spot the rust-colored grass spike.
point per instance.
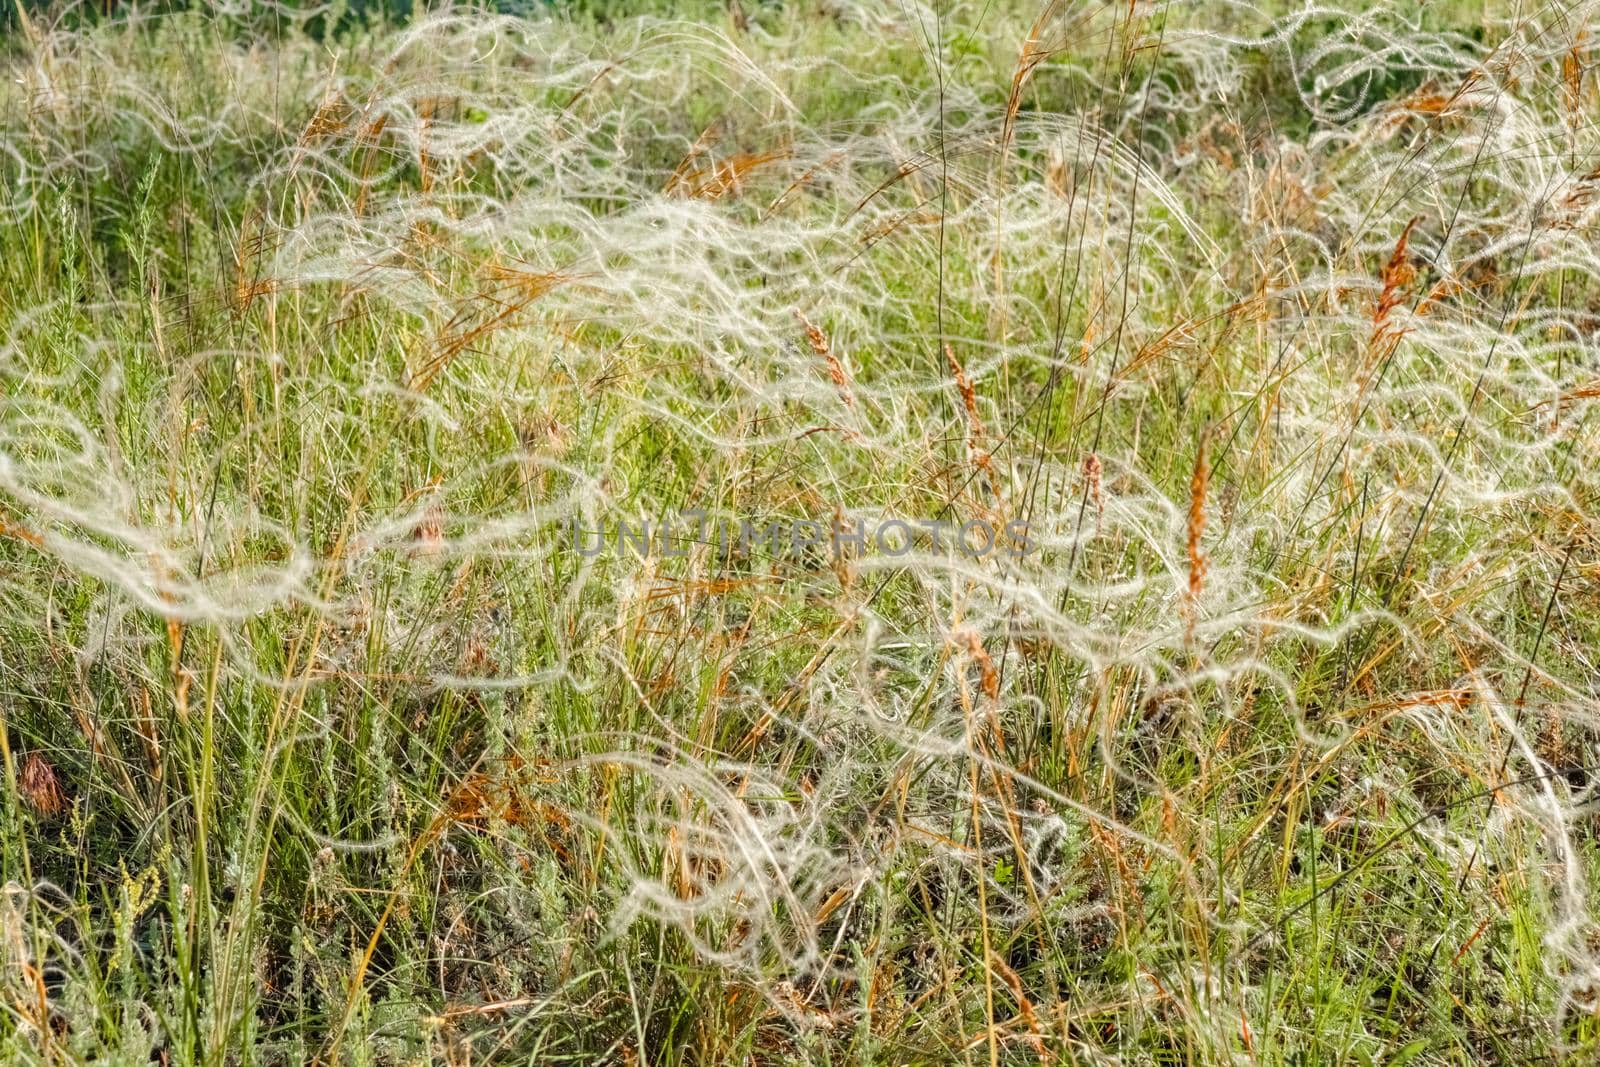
(41, 787)
(969, 403)
(969, 396)
(1572, 66)
(1398, 273)
(819, 344)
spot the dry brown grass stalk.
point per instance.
(1030, 1018)
(1092, 470)
(497, 305)
(989, 678)
(725, 177)
(1199, 488)
(1032, 54)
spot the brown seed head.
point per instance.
(41, 788)
(1091, 476)
(819, 344)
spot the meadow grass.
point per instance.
(1274, 324)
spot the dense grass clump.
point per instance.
(328, 344)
